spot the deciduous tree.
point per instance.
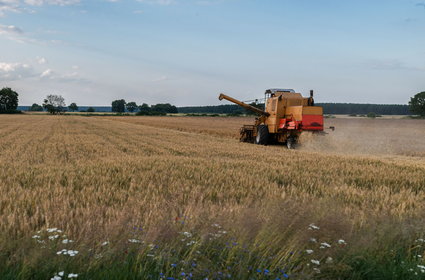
(118, 106)
(417, 104)
(8, 100)
(131, 106)
(54, 104)
(73, 107)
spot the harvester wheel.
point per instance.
(290, 143)
(262, 135)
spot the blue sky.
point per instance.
(186, 52)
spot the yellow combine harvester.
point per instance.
(287, 115)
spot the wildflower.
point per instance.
(313, 227)
(53, 237)
(187, 234)
(342, 242)
(316, 270)
(134, 241)
(329, 260)
(421, 266)
(420, 240)
(72, 253)
(216, 225)
(52, 229)
(309, 251)
(190, 243)
(72, 275)
(314, 240)
(56, 277)
(66, 241)
(326, 244)
(105, 243)
(36, 236)
(173, 265)
(316, 262)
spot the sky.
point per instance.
(186, 52)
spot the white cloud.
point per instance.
(10, 30)
(47, 73)
(51, 2)
(15, 71)
(41, 60)
(9, 6)
(159, 2)
(17, 6)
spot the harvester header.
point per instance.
(287, 114)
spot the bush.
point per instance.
(371, 115)
(36, 108)
(150, 113)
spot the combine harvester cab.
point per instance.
(287, 114)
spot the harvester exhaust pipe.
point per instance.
(311, 99)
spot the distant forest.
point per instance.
(328, 108)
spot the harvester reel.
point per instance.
(262, 135)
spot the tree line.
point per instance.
(55, 104)
(121, 106)
(328, 108)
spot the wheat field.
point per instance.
(149, 196)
